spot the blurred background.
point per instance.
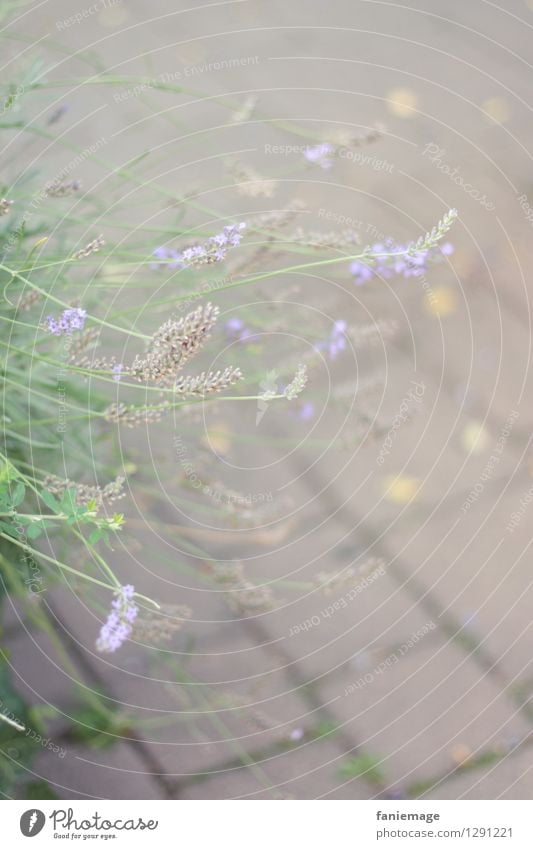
(348, 576)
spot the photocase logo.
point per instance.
(32, 822)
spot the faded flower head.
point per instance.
(251, 183)
(207, 383)
(91, 247)
(132, 416)
(87, 493)
(298, 383)
(159, 626)
(328, 240)
(173, 344)
(69, 320)
(58, 189)
(243, 597)
(5, 206)
(118, 626)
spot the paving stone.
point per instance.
(415, 710)
(114, 773)
(225, 698)
(478, 572)
(42, 676)
(307, 772)
(509, 778)
(479, 350)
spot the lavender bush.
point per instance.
(103, 333)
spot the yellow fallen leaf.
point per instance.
(441, 301)
(461, 754)
(402, 102)
(401, 489)
(497, 108)
(475, 438)
(218, 438)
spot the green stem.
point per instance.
(63, 566)
(67, 306)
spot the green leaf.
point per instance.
(18, 493)
(8, 472)
(95, 536)
(50, 501)
(68, 502)
(8, 528)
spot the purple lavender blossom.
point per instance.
(360, 272)
(236, 329)
(336, 340)
(404, 263)
(447, 249)
(58, 114)
(117, 628)
(162, 253)
(117, 371)
(306, 411)
(70, 319)
(320, 154)
(214, 250)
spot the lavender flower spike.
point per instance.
(70, 319)
(214, 250)
(118, 626)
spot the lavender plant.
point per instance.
(85, 357)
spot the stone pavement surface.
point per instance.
(419, 684)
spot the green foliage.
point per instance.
(38, 790)
(100, 728)
(16, 749)
(363, 765)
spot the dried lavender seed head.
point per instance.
(431, 239)
(297, 384)
(159, 626)
(173, 344)
(86, 493)
(243, 596)
(207, 383)
(90, 248)
(134, 416)
(5, 206)
(250, 183)
(27, 301)
(331, 240)
(278, 218)
(58, 189)
(82, 343)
